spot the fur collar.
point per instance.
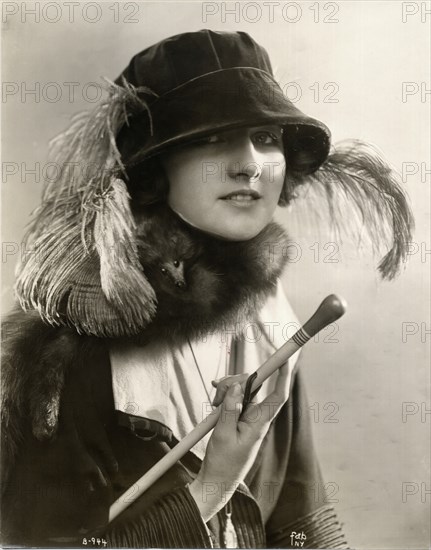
(203, 283)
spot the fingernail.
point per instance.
(236, 388)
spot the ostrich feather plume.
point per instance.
(361, 196)
(83, 268)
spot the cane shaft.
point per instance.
(263, 372)
(331, 309)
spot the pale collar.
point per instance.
(163, 384)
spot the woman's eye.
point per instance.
(214, 138)
(266, 138)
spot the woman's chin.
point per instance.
(239, 224)
(238, 228)
(236, 233)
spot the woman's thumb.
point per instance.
(232, 404)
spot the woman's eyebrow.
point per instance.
(271, 127)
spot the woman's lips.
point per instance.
(245, 198)
(245, 195)
(242, 200)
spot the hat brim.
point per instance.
(219, 101)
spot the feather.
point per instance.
(84, 270)
(363, 197)
(225, 283)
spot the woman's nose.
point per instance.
(244, 160)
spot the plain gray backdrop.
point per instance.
(344, 63)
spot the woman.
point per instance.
(137, 305)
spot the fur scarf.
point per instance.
(201, 284)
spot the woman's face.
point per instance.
(228, 184)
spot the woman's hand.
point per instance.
(235, 442)
(223, 384)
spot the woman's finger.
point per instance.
(264, 412)
(231, 406)
(224, 384)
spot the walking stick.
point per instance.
(331, 309)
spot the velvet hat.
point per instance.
(199, 83)
(87, 272)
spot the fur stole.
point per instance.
(201, 284)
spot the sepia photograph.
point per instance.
(216, 251)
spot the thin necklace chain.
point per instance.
(200, 373)
(229, 533)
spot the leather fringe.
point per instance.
(321, 529)
(173, 522)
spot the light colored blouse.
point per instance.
(167, 386)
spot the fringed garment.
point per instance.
(95, 277)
